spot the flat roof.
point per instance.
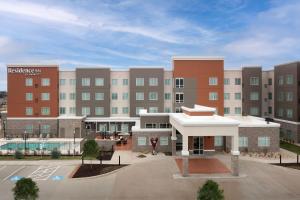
(197, 58)
(251, 121)
(199, 108)
(214, 120)
(32, 65)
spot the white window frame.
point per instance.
(153, 81)
(213, 81)
(45, 111)
(45, 96)
(139, 96)
(99, 96)
(263, 141)
(29, 96)
(163, 140)
(85, 96)
(151, 97)
(213, 96)
(139, 81)
(243, 141)
(142, 141)
(254, 80)
(180, 83)
(45, 82)
(178, 98)
(28, 82)
(99, 111)
(99, 81)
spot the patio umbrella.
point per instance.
(123, 134)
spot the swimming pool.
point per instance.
(49, 146)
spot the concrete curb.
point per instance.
(209, 176)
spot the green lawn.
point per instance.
(290, 147)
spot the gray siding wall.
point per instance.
(93, 73)
(146, 73)
(190, 93)
(284, 70)
(247, 73)
(154, 120)
(16, 128)
(148, 146)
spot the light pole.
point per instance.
(25, 137)
(74, 142)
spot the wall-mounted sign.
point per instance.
(23, 70)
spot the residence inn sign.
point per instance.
(21, 70)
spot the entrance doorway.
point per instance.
(198, 145)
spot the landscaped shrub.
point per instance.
(210, 190)
(25, 188)
(19, 154)
(55, 154)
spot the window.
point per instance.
(226, 81)
(289, 96)
(114, 110)
(226, 96)
(254, 111)
(163, 140)
(263, 141)
(72, 96)
(226, 110)
(114, 96)
(179, 82)
(99, 81)
(243, 141)
(270, 96)
(153, 96)
(45, 129)
(270, 110)
(280, 80)
(178, 110)
(289, 113)
(150, 125)
(280, 112)
(179, 97)
(125, 81)
(254, 96)
(29, 96)
(85, 96)
(114, 81)
(28, 82)
(72, 82)
(165, 125)
(167, 96)
(213, 81)
(213, 96)
(270, 81)
(168, 81)
(153, 109)
(72, 110)
(29, 128)
(45, 82)
(137, 110)
(218, 141)
(62, 81)
(85, 82)
(85, 111)
(167, 110)
(142, 141)
(237, 81)
(289, 79)
(99, 96)
(280, 96)
(124, 128)
(99, 111)
(62, 110)
(125, 110)
(254, 81)
(139, 96)
(237, 96)
(237, 110)
(139, 82)
(45, 111)
(28, 111)
(153, 81)
(125, 96)
(62, 96)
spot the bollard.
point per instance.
(280, 159)
(119, 160)
(297, 158)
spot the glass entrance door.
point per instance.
(198, 145)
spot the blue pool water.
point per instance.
(31, 146)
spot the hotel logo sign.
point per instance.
(22, 70)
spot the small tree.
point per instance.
(90, 150)
(25, 188)
(55, 154)
(210, 191)
(19, 154)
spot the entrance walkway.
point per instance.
(203, 166)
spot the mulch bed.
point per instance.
(88, 170)
(289, 165)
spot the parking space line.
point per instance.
(52, 172)
(14, 172)
(43, 172)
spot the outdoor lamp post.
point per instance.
(25, 137)
(74, 142)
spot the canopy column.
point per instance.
(235, 155)
(185, 155)
(173, 138)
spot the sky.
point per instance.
(130, 33)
